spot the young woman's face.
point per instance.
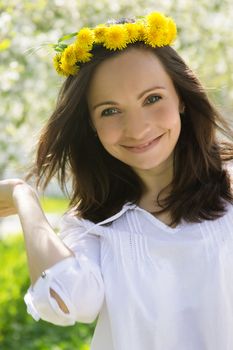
(135, 109)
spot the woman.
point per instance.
(147, 243)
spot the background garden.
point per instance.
(28, 90)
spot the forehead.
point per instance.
(132, 70)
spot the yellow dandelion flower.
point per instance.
(68, 69)
(68, 61)
(69, 55)
(100, 31)
(172, 31)
(82, 54)
(155, 37)
(85, 37)
(134, 31)
(156, 31)
(57, 64)
(156, 20)
(141, 30)
(116, 37)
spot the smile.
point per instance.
(144, 147)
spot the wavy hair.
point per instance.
(68, 148)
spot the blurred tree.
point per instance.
(29, 84)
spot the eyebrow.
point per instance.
(139, 96)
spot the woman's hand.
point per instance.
(7, 188)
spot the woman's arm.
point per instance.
(43, 247)
(65, 272)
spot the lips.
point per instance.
(145, 146)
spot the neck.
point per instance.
(155, 180)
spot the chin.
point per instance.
(147, 166)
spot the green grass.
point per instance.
(54, 204)
(18, 330)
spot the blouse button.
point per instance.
(43, 275)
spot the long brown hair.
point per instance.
(101, 184)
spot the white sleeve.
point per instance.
(77, 280)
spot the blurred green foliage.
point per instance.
(18, 330)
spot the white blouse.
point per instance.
(152, 287)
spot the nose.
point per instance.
(136, 125)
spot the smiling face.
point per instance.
(135, 109)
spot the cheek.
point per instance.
(108, 133)
(169, 118)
